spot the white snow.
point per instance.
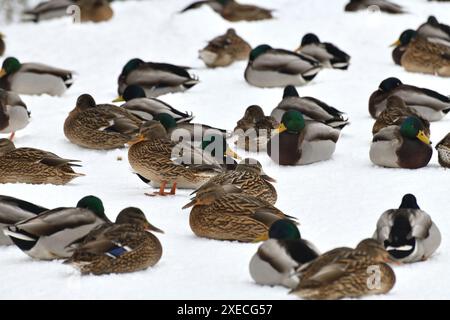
(337, 202)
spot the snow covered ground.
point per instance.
(337, 202)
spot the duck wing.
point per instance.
(13, 210)
(285, 61)
(147, 108)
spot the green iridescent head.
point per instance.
(284, 229)
(292, 121)
(413, 128)
(92, 203)
(166, 120)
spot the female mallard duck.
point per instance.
(405, 146)
(429, 104)
(225, 213)
(408, 233)
(126, 246)
(147, 108)
(34, 78)
(254, 129)
(277, 259)
(443, 148)
(395, 113)
(13, 210)
(298, 143)
(2, 44)
(28, 165)
(54, 234)
(233, 11)
(14, 114)
(382, 5)
(326, 53)
(48, 10)
(154, 157)
(224, 50)
(95, 10)
(101, 126)
(311, 109)
(268, 67)
(155, 78)
(347, 273)
(435, 31)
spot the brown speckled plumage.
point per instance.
(443, 148)
(95, 10)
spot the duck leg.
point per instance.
(161, 191)
(11, 137)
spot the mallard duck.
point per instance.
(268, 67)
(408, 233)
(95, 10)
(48, 10)
(344, 272)
(13, 210)
(216, 145)
(382, 5)
(34, 78)
(164, 163)
(126, 246)
(326, 53)
(254, 129)
(249, 177)
(54, 234)
(429, 104)
(155, 78)
(277, 259)
(100, 126)
(435, 31)
(2, 44)
(311, 109)
(233, 11)
(405, 146)
(224, 50)
(225, 213)
(298, 143)
(14, 114)
(395, 113)
(443, 148)
(147, 108)
(28, 165)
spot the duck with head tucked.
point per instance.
(435, 31)
(381, 5)
(443, 148)
(128, 245)
(408, 233)
(14, 114)
(46, 10)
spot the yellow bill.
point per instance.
(232, 154)
(119, 99)
(396, 43)
(2, 73)
(281, 128)
(423, 137)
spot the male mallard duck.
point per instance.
(54, 234)
(28, 165)
(443, 148)
(408, 233)
(298, 143)
(395, 113)
(48, 10)
(311, 109)
(382, 5)
(216, 145)
(344, 272)
(435, 31)
(13, 210)
(100, 126)
(225, 213)
(429, 104)
(34, 78)
(147, 108)
(126, 246)
(156, 158)
(225, 49)
(2, 44)
(95, 10)
(14, 114)
(155, 78)
(233, 11)
(326, 53)
(254, 129)
(277, 259)
(405, 146)
(268, 67)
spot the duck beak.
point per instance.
(281, 128)
(119, 99)
(149, 227)
(232, 154)
(396, 43)
(2, 73)
(139, 138)
(262, 237)
(423, 137)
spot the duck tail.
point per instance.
(191, 82)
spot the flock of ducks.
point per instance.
(233, 198)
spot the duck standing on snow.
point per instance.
(233, 11)
(224, 50)
(55, 233)
(383, 5)
(34, 166)
(299, 143)
(408, 233)
(277, 259)
(443, 148)
(404, 146)
(268, 67)
(14, 114)
(326, 53)
(429, 105)
(126, 246)
(34, 78)
(155, 78)
(2, 44)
